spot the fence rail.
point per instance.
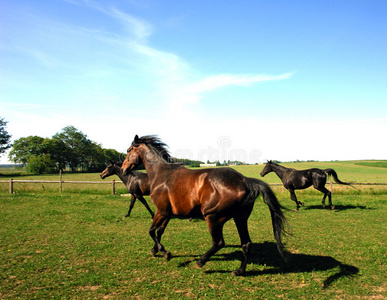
(113, 183)
(60, 182)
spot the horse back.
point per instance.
(184, 191)
(302, 179)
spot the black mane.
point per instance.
(156, 144)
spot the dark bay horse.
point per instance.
(218, 195)
(301, 179)
(136, 183)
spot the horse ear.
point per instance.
(136, 141)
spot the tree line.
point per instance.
(69, 149)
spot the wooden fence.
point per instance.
(11, 183)
(60, 182)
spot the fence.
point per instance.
(60, 182)
(113, 183)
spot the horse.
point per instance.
(136, 183)
(301, 179)
(217, 195)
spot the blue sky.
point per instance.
(218, 80)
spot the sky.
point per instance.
(215, 80)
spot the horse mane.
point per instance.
(157, 145)
(118, 163)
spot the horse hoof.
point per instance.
(153, 252)
(167, 255)
(323, 205)
(199, 264)
(127, 215)
(302, 203)
(238, 272)
(332, 207)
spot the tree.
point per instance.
(24, 148)
(111, 154)
(70, 147)
(5, 138)
(40, 164)
(57, 150)
(77, 146)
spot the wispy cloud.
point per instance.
(217, 81)
(187, 93)
(178, 82)
(139, 28)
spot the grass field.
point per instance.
(78, 245)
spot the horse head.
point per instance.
(109, 170)
(267, 169)
(133, 156)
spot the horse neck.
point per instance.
(118, 171)
(152, 161)
(279, 170)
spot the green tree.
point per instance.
(78, 150)
(5, 138)
(40, 164)
(76, 146)
(112, 154)
(70, 147)
(24, 148)
(57, 150)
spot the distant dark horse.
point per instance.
(218, 195)
(301, 179)
(137, 184)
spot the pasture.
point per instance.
(78, 245)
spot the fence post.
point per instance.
(113, 187)
(60, 181)
(11, 186)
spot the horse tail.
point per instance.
(333, 173)
(278, 219)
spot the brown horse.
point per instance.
(136, 183)
(218, 195)
(301, 179)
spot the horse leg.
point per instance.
(326, 193)
(216, 230)
(132, 201)
(241, 224)
(143, 201)
(294, 198)
(158, 226)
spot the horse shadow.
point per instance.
(267, 254)
(337, 207)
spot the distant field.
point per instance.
(378, 164)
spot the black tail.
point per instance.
(333, 173)
(278, 219)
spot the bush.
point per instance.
(40, 164)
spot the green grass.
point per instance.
(78, 245)
(379, 164)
